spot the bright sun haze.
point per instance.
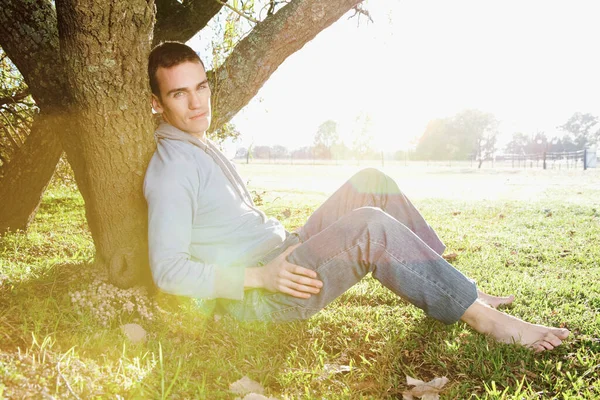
(531, 64)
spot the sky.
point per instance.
(530, 63)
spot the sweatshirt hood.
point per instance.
(168, 131)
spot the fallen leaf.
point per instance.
(450, 256)
(335, 368)
(286, 213)
(424, 390)
(245, 386)
(456, 212)
(564, 253)
(332, 369)
(134, 332)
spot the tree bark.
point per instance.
(26, 177)
(181, 21)
(29, 36)
(105, 46)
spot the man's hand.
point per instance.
(279, 275)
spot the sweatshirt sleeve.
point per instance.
(171, 190)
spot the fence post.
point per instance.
(544, 160)
(584, 159)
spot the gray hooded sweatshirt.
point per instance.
(204, 229)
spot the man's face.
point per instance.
(184, 97)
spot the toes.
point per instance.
(542, 346)
(562, 333)
(555, 341)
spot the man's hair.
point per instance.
(167, 55)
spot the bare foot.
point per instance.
(508, 329)
(494, 301)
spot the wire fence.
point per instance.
(580, 159)
(545, 160)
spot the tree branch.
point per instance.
(238, 12)
(29, 36)
(260, 53)
(180, 22)
(359, 10)
(14, 99)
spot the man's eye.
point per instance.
(178, 94)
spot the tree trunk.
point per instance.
(26, 177)
(105, 47)
(29, 36)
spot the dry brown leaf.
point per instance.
(245, 386)
(450, 256)
(134, 332)
(424, 390)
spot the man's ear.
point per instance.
(156, 104)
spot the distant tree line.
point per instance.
(473, 134)
(468, 135)
(326, 146)
(579, 132)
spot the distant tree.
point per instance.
(433, 144)
(468, 133)
(362, 145)
(261, 152)
(538, 143)
(340, 151)
(303, 153)
(279, 151)
(582, 129)
(564, 143)
(518, 144)
(241, 152)
(478, 131)
(325, 139)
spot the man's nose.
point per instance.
(195, 100)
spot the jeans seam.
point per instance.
(290, 308)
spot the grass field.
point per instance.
(531, 233)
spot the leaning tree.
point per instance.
(84, 63)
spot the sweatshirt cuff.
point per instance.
(229, 283)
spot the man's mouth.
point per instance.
(198, 116)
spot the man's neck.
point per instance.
(200, 136)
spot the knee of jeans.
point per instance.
(368, 175)
(370, 215)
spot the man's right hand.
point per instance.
(280, 275)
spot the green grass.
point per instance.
(545, 252)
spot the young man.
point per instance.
(207, 239)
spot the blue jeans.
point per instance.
(367, 225)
